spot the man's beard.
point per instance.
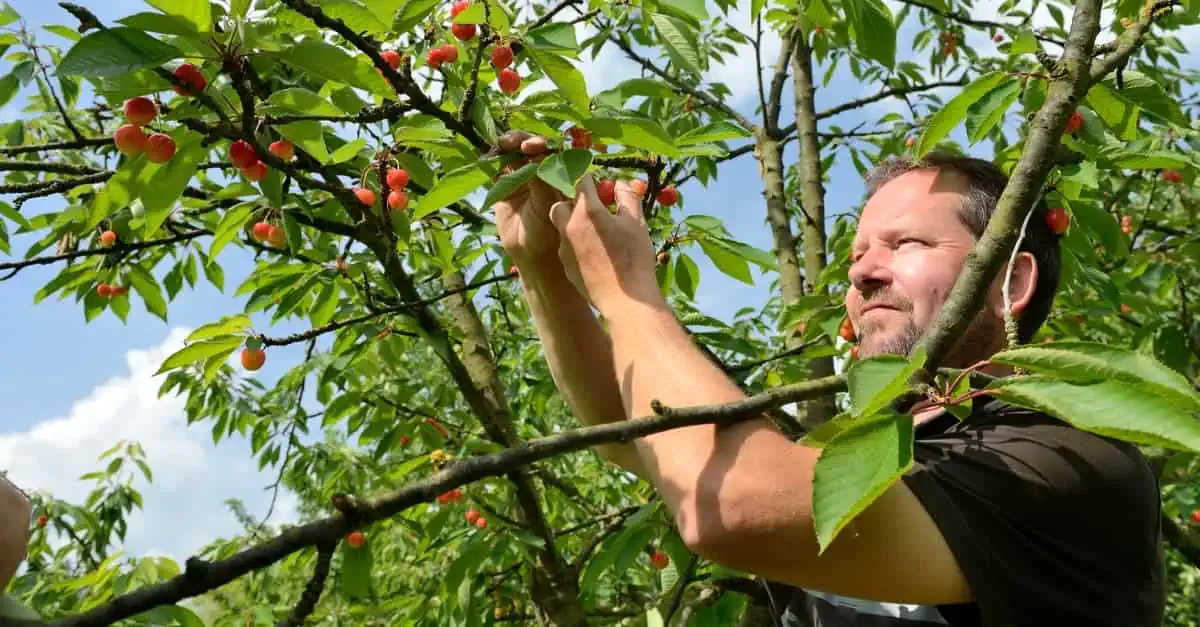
(982, 338)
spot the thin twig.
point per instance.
(312, 590)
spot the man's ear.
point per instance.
(1022, 285)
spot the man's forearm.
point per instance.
(580, 355)
(14, 529)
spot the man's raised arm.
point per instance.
(15, 511)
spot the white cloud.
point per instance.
(184, 506)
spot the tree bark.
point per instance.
(812, 201)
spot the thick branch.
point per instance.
(1129, 40)
(45, 166)
(312, 591)
(962, 18)
(201, 576)
(92, 142)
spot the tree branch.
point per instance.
(91, 142)
(962, 18)
(201, 576)
(46, 166)
(17, 266)
(312, 591)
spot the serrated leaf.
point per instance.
(570, 81)
(875, 382)
(9, 85)
(356, 570)
(303, 101)
(114, 52)
(451, 188)
(1141, 90)
(984, 114)
(509, 183)
(552, 36)
(1114, 408)
(1085, 362)
(874, 30)
(414, 12)
(715, 132)
(635, 132)
(563, 170)
(197, 12)
(231, 224)
(727, 262)
(855, 468)
(348, 151)
(945, 120)
(148, 289)
(679, 42)
(309, 136)
(326, 305)
(228, 325)
(332, 63)
(687, 276)
(200, 351)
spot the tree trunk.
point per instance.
(812, 201)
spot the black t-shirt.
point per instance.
(1051, 525)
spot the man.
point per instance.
(15, 511)
(1007, 518)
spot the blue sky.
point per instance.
(72, 389)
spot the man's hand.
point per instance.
(609, 258)
(15, 511)
(523, 218)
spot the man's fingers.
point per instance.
(534, 146)
(560, 215)
(587, 198)
(512, 140)
(629, 201)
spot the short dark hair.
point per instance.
(986, 182)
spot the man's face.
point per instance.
(907, 254)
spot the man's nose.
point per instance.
(871, 270)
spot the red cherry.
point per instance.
(659, 560)
(365, 196)
(118, 290)
(1075, 123)
(159, 148)
(276, 236)
(130, 139)
(104, 290)
(449, 53)
(107, 239)
(397, 200)
(438, 426)
(463, 32)
(607, 190)
(509, 81)
(356, 539)
(191, 75)
(459, 7)
(391, 57)
(42, 520)
(1171, 176)
(140, 110)
(639, 187)
(998, 38)
(242, 155)
(1196, 516)
(253, 358)
(1058, 220)
(502, 57)
(397, 179)
(481, 523)
(1127, 224)
(854, 353)
(580, 138)
(283, 149)
(435, 57)
(847, 331)
(405, 440)
(472, 515)
(262, 230)
(256, 172)
(668, 196)
(910, 142)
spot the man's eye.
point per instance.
(909, 240)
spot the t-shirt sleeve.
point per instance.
(1051, 525)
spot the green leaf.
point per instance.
(348, 151)
(332, 63)
(9, 85)
(944, 121)
(566, 76)
(495, 15)
(1085, 362)
(874, 30)
(200, 351)
(727, 262)
(451, 188)
(679, 41)
(231, 224)
(385, 10)
(692, 9)
(875, 382)
(356, 571)
(1103, 227)
(855, 468)
(1114, 408)
(715, 132)
(303, 101)
(119, 192)
(984, 114)
(7, 211)
(159, 23)
(359, 18)
(227, 325)
(197, 12)
(309, 136)
(552, 36)
(1117, 113)
(148, 289)
(167, 181)
(509, 183)
(7, 16)
(1141, 90)
(687, 276)
(1023, 43)
(9, 606)
(115, 51)
(634, 132)
(1151, 160)
(326, 305)
(563, 170)
(413, 13)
